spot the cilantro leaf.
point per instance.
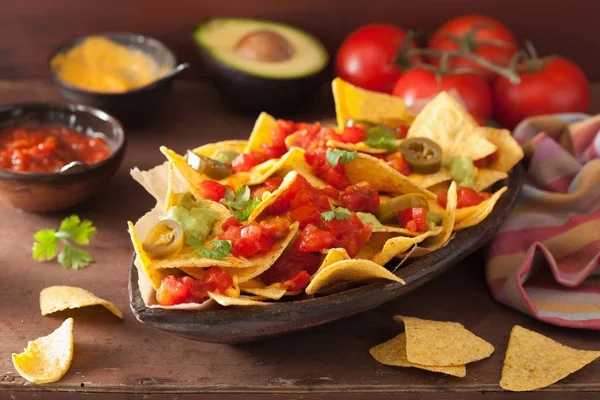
(335, 214)
(45, 246)
(338, 156)
(74, 228)
(220, 248)
(380, 139)
(72, 257)
(241, 203)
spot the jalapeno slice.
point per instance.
(165, 239)
(212, 168)
(368, 125)
(389, 208)
(422, 155)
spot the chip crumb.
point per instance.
(534, 361)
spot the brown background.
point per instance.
(30, 29)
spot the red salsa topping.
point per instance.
(48, 148)
(334, 176)
(414, 219)
(360, 198)
(175, 290)
(396, 161)
(254, 238)
(212, 190)
(466, 197)
(293, 269)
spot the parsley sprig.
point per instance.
(380, 139)
(335, 214)
(240, 203)
(45, 247)
(220, 248)
(338, 156)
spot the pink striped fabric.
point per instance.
(545, 260)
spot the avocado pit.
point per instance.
(265, 46)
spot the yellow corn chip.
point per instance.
(482, 210)
(396, 246)
(360, 147)
(261, 133)
(487, 177)
(271, 292)
(447, 123)
(355, 271)
(263, 262)
(381, 176)
(443, 237)
(211, 150)
(47, 359)
(442, 343)
(509, 150)
(359, 104)
(227, 301)
(393, 353)
(155, 276)
(59, 298)
(170, 200)
(534, 361)
(429, 180)
(288, 181)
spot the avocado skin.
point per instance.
(252, 93)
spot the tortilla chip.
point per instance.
(360, 147)
(393, 353)
(288, 181)
(394, 229)
(212, 149)
(481, 212)
(59, 298)
(447, 123)
(171, 198)
(355, 271)
(359, 104)
(397, 246)
(272, 292)
(534, 361)
(429, 180)
(188, 258)
(443, 237)
(487, 177)
(381, 176)
(155, 276)
(509, 150)
(47, 359)
(261, 133)
(442, 343)
(263, 262)
(227, 301)
(333, 256)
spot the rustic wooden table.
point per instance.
(114, 357)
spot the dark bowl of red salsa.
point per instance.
(54, 155)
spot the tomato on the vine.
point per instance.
(417, 86)
(483, 36)
(547, 86)
(367, 57)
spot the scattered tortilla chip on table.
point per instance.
(393, 353)
(534, 361)
(59, 298)
(47, 359)
(442, 343)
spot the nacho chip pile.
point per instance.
(301, 209)
(435, 346)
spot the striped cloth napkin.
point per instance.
(545, 260)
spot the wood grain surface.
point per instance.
(332, 361)
(30, 29)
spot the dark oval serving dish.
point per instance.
(244, 324)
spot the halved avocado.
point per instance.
(261, 65)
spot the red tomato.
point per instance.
(298, 281)
(289, 266)
(254, 238)
(486, 30)
(418, 86)
(546, 87)
(306, 214)
(172, 291)
(352, 134)
(360, 198)
(245, 161)
(351, 234)
(212, 190)
(335, 176)
(413, 219)
(366, 58)
(313, 238)
(396, 161)
(214, 279)
(466, 197)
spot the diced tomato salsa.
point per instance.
(293, 269)
(212, 190)
(466, 197)
(48, 148)
(334, 176)
(396, 161)
(174, 290)
(360, 198)
(253, 238)
(414, 219)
